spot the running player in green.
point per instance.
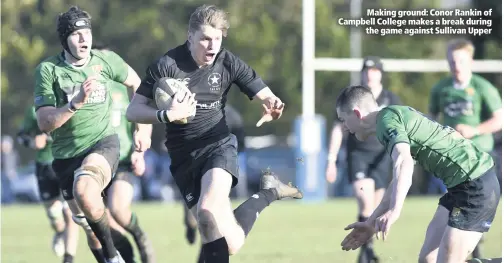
(120, 193)
(72, 101)
(467, 102)
(463, 214)
(66, 232)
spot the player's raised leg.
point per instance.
(223, 231)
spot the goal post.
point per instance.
(310, 129)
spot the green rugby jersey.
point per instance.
(438, 149)
(470, 105)
(57, 82)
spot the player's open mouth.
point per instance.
(83, 48)
(209, 55)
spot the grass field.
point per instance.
(285, 232)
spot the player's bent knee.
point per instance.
(54, 210)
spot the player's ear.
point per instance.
(189, 36)
(358, 113)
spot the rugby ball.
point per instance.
(164, 92)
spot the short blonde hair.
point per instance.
(458, 44)
(209, 15)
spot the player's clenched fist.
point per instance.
(85, 90)
(273, 108)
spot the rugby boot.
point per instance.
(270, 181)
(58, 244)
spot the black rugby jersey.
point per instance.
(210, 84)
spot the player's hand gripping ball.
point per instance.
(165, 90)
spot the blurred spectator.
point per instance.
(9, 168)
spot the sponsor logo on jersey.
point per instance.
(99, 95)
(212, 105)
(214, 81)
(459, 107)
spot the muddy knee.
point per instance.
(208, 225)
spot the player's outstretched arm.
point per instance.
(403, 173)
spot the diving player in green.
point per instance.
(66, 232)
(463, 214)
(131, 163)
(467, 102)
(72, 102)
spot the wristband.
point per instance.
(71, 107)
(331, 157)
(162, 116)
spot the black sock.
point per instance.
(102, 231)
(133, 227)
(216, 251)
(476, 252)
(123, 245)
(98, 254)
(67, 258)
(247, 213)
(201, 257)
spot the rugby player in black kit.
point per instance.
(369, 166)
(203, 152)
